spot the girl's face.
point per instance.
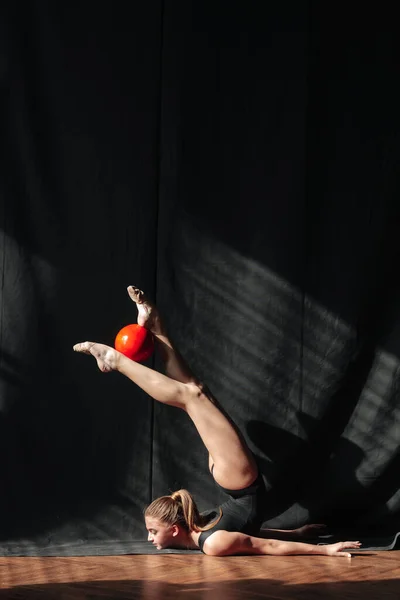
(160, 534)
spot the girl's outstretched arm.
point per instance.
(226, 543)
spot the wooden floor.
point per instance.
(369, 575)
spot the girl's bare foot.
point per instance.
(148, 315)
(107, 357)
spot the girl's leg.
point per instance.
(175, 365)
(149, 317)
(234, 465)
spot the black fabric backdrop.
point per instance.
(238, 161)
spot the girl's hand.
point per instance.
(337, 549)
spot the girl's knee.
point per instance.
(194, 390)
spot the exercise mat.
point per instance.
(374, 542)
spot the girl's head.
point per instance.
(170, 519)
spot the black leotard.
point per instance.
(242, 512)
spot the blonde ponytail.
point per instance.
(180, 509)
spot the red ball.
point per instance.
(135, 342)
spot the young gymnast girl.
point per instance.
(174, 521)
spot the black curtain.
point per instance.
(238, 161)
